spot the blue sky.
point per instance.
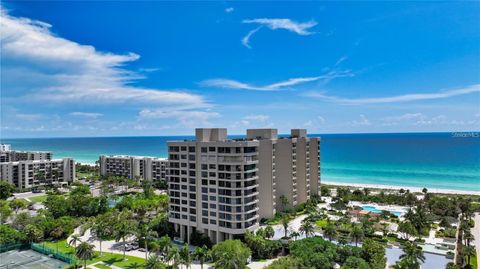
(101, 68)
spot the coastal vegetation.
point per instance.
(329, 235)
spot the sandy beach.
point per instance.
(412, 189)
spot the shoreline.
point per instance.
(396, 188)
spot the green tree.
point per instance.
(325, 191)
(154, 262)
(165, 244)
(185, 256)
(284, 221)
(8, 235)
(74, 240)
(330, 231)
(6, 189)
(33, 233)
(287, 262)
(269, 232)
(85, 252)
(124, 228)
(144, 231)
(407, 230)
(412, 255)
(307, 227)
(374, 253)
(201, 254)
(5, 211)
(102, 229)
(355, 263)
(173, 256)
(284, 201)
(230, 254)
(357, 234)
(17, 204)
(295, 234)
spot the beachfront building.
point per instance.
(29, 169)
(134, 167)
(7, 154)
(223, 187)
(5, 147)
(28, 174)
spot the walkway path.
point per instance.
(476, 235)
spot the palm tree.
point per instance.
(295, 234)
(330, 231)
(101, 229)
(284, 221)
(84, 252)
(74, 240)
(201, 254)
(154, 262)
(145, 232)
(185, 257)
(412, 255)
(173, 256)
(385, 228)
(123, 229)
(356, 234)
(165, 243)
(307, 228)
(469, 251)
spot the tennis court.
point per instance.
(28, 259)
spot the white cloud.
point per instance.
(63, 71)
(261, 118)
(315, 122)
(29, 117)
(341, 60)
(233, 84)
(254, 121)
(246, 39)
(363, 121)
(229, 9)
(301, 28)
(86, 114)
(399, 98)
(187, 118)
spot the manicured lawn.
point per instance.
(321, 223)
(38, 199)
(109, 258)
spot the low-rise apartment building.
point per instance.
(134, 167)
(223, 187)
(34, 173)
(29, 169)
(7, 154)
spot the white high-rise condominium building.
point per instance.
(223, 187)
(29, 169)
(134, 167)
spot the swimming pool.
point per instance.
(376, 210)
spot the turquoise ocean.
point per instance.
(434, 160)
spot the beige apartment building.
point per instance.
(223, 187)
(9, 155)
(34, 173)
(134, 167)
